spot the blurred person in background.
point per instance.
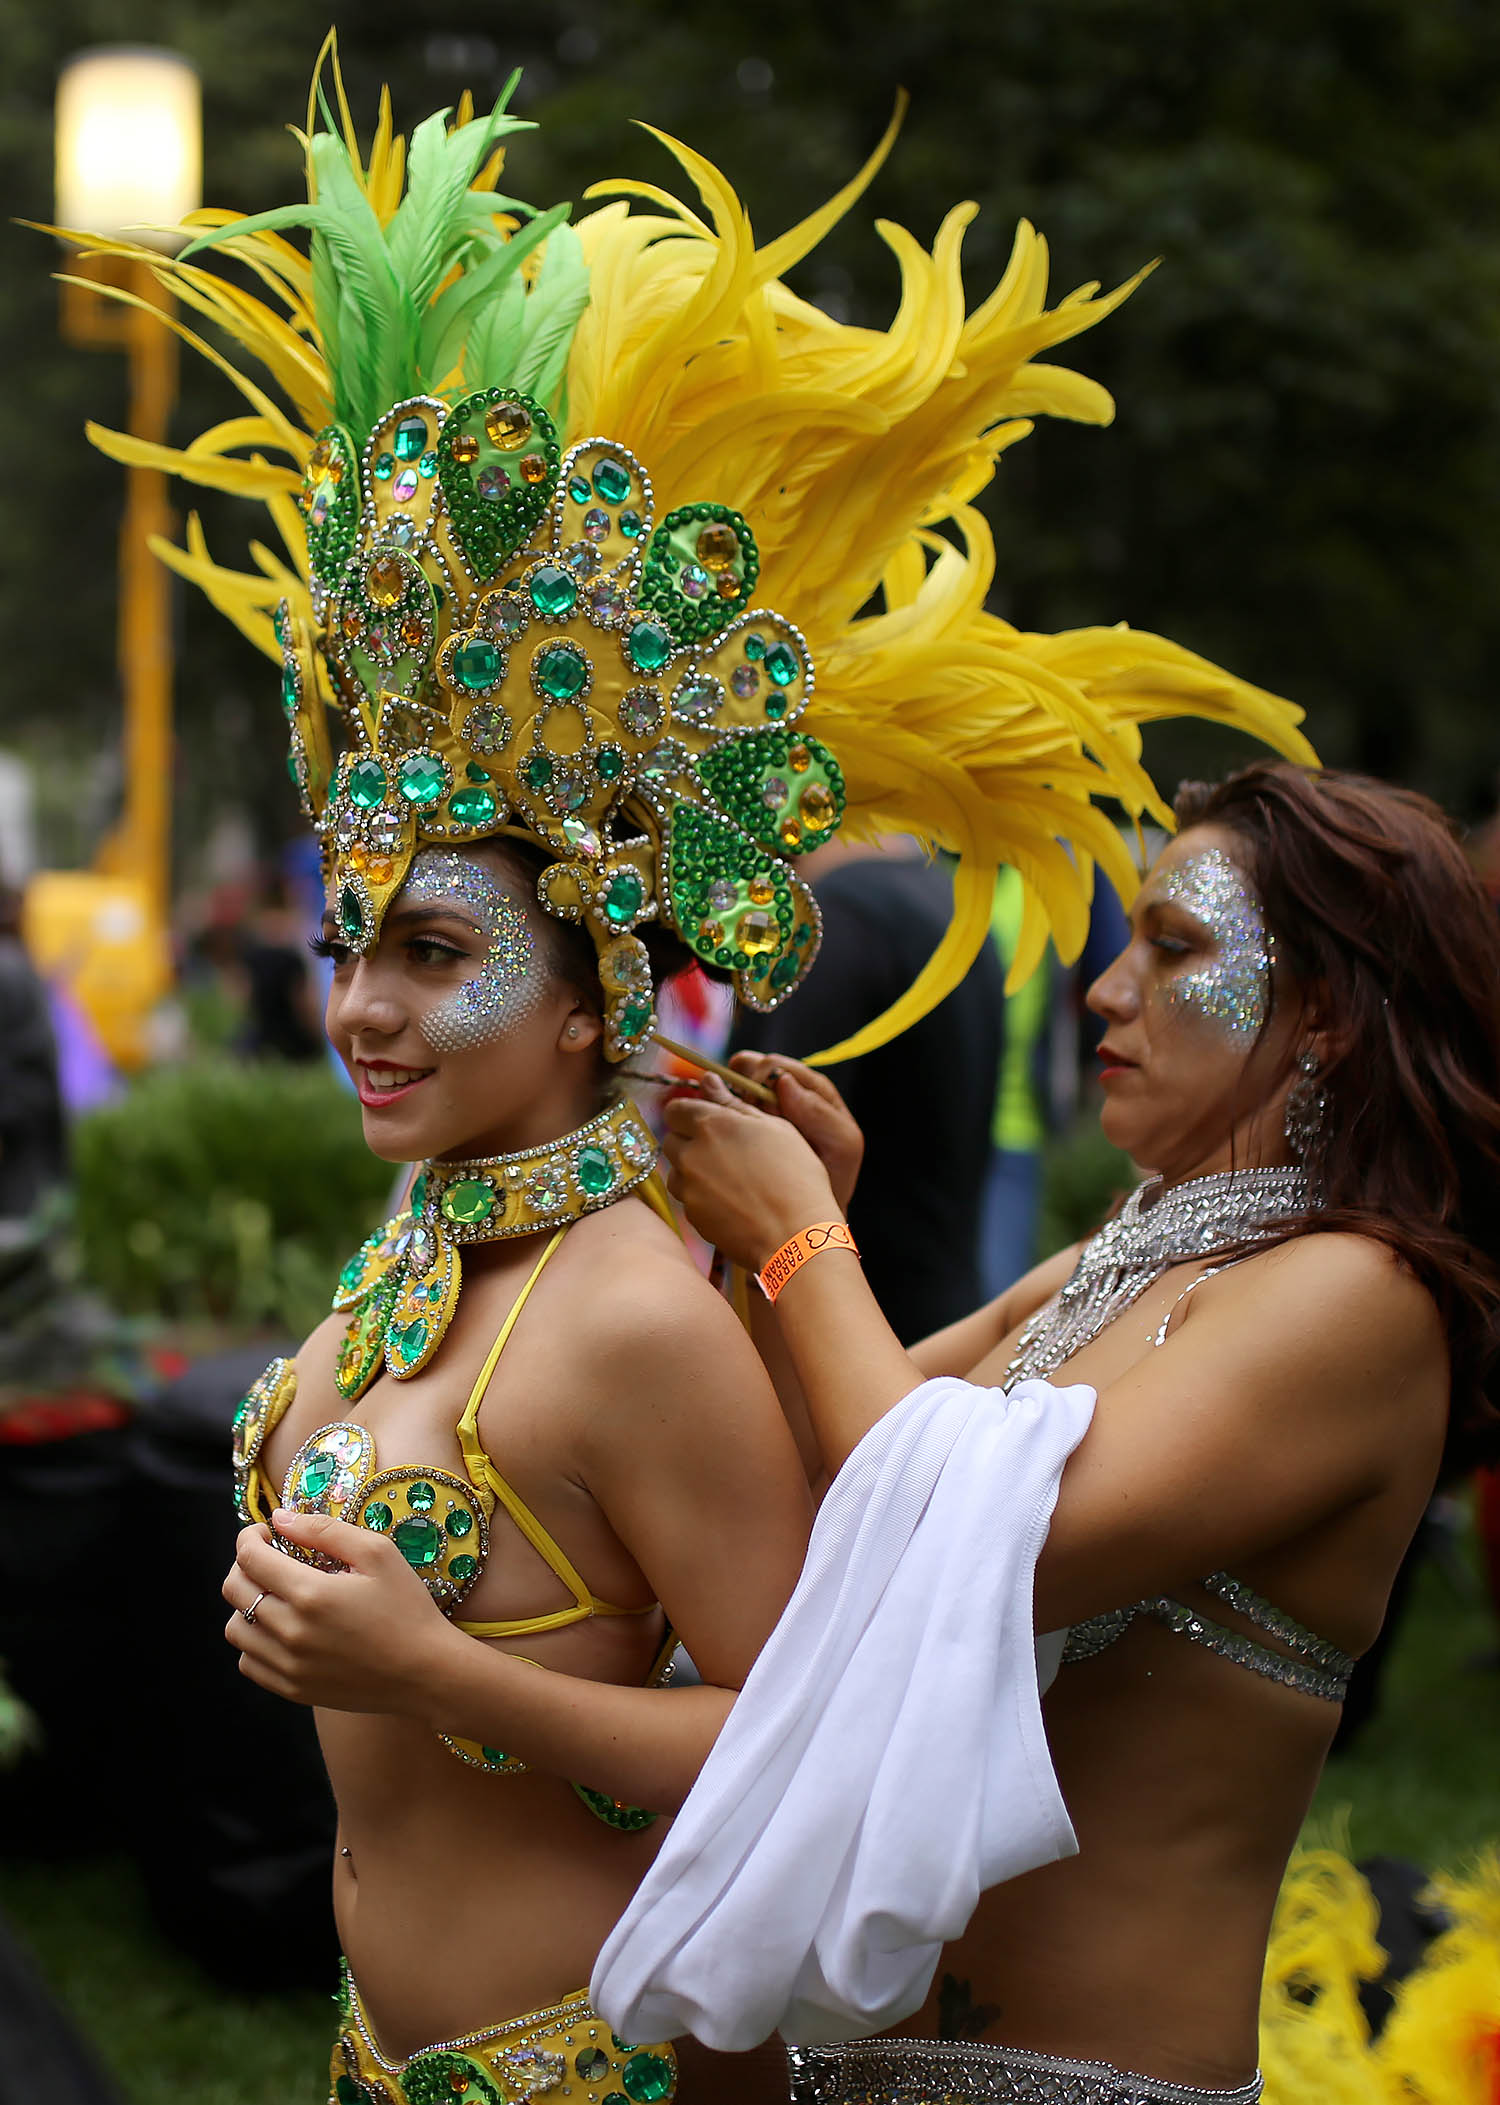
(1045, 1064)
(33, 1148)
(282, 1019)
(925, 1100)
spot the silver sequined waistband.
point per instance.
(953, 2072)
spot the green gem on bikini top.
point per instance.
(401, 1287)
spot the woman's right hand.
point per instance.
(809, 1101)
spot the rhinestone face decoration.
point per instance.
(1232, 990)
(509, 983)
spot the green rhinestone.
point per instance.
(410, 438)
(648, 2078)
(776, 705)
(622, 902)
(419, 1541)
(596, 1173)
(418, 1197)
(579, 490)
(782, 664)
(476, 773)
(612, 481)
(609, 762)
(494, 1756)
(537, 772)
(634, 1017)
(291, 689)
(408, 1340)
(385, 467)
(367, 784)
(553, 591)
(352, 1273)
(561, 671)
(351, 913)
(421, 1497)
(631, 525)
(348, 2092)
(755, 646)
(427, 465)
(473, 807)
(469, 1200)
(420, 778)
(378, 1517)
(462, 1569)
(317, 1474)
(291, 768)
(649, 646)
(476, 665)
(784, 971)
(459, 1522)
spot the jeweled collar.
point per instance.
(1156, 1227)
(401, 1286)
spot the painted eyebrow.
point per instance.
(410, 914)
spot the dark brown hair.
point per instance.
(1381, 924)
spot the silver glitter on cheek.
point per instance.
(1232, 989)
(509, 983)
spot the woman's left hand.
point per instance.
(361, 1639)
(747, 1180)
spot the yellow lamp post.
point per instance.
(129, 161)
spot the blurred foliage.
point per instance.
(1303, 477)
(225, 1191)
(1083, 1180)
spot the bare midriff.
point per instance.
(468, 1898)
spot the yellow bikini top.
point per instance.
(438, 1521)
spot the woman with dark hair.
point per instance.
(1285, 1329)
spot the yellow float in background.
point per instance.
(98, 937)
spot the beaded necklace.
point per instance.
(1154, 1229)
(401, 1286)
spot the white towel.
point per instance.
(886, 1761)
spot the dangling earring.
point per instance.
(1306, 1110)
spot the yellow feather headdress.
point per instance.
(541, 490)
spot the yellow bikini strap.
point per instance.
(475, 1457)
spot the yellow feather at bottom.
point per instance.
(1441, 2043)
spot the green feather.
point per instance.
(553, 308)
(440, 167)
(447, 320)
(494, 339)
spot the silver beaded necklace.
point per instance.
(1154, 1229)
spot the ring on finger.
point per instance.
(249, 1613)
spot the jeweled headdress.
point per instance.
(572, 515)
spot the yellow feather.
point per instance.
(254, 478)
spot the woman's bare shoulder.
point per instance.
(316, 1360)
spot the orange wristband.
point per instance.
(793, 1255)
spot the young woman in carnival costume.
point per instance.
(569, 518)
(1259, 1366)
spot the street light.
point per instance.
(129, 144)
(128, 165)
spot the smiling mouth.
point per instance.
(379, 1083)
